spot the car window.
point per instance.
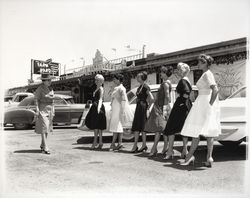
(7, 99)
(27, 101)
(59, 101)
(70, 100)
(21, 98)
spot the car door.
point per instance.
(62, 111)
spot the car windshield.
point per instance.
(27, 101)
(239, 93)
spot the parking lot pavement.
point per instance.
(73, 167)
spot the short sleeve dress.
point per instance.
(44, 122)
(157, 121)
(203, 118)
(140, 116)
(95, 120)
(180, 109)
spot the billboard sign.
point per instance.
(39, 67)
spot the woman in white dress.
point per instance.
(204, 116)
(120, 112)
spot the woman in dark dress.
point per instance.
(157, 121)
(96, 118)
(143, 93)
(179, 111)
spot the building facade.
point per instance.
(229, 68)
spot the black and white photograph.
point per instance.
(124, 98)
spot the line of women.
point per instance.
(185, 118)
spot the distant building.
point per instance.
(229, 69)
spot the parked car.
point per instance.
(16, 99)
(22, 115)
(233, 118)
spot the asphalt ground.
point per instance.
(74, 169)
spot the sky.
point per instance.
(68, 30)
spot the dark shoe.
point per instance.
(143, 149)
(135, 150)
(46, 152)
(118, 147)
(112, 148)
(100, 146)
(42, 148)
(154, 154)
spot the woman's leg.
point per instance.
(194, 145)
(170, 151)
(210, 145)
(184, 148)
(144, 139)
(165, 145)
(120, 139)
(156, 140)
(112, 146)
(95, 138)
(42, 146)
(135, 147)
(100, 139)
(44, 141)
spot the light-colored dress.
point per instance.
(118, 121)
(44, 122)
(203, 119)
(157, 121)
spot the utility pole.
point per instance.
(143, 51)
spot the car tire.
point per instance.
(231, 143)
(21, 126)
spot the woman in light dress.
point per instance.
(204, 116)
(157, 120)
(44, 97)
(121, 114)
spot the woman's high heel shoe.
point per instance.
(118, 147)
(134, 150)
(153, 154)
(169, 156)
(186, 163)
(164, 151)
(142, 149)
(183, 155)
(100, 146)
(42, 148)
(46, 152)
(209, 162)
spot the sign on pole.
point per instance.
(39, 67)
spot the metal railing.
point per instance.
(109, 65)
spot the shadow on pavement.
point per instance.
(28, 151)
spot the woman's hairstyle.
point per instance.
(206, 58)
(118, 77)
(143, 75)
(183, 67)
(99, 77)
(168, 70)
